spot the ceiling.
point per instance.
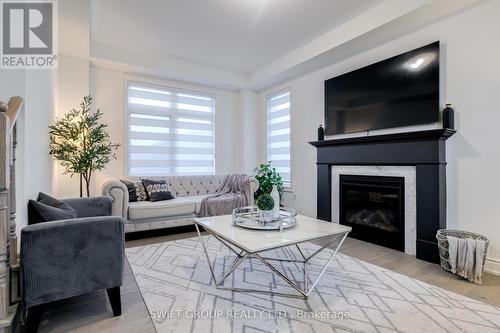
(235, 35)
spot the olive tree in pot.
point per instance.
(81, 144)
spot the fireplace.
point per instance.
(374, 207)
(425, 151)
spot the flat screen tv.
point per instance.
(399, 91)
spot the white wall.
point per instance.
(108, 88)
(73, 84)
(73, 75)
(470, 76)
(253, 133)
(39, 113)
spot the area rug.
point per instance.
(352, 295)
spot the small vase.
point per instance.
(321, 133)
(276, 198)
(448, 117)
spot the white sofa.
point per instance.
(147, 215)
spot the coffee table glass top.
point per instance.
(307, 229)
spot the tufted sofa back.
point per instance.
(184, 186)
(181, 186)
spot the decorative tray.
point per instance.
(250, 217)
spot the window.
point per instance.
(171, 132)
(278, 134)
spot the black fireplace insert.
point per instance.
(374, 207)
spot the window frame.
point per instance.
(168, 86)
(287, 186)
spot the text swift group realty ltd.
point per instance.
(246, 314)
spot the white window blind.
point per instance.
(171, 132)
(278, 134)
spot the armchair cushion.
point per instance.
(92, 206)
(48, 208)
(67, 258)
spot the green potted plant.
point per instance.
(270, 184)
(265, 204)
(267, 177)
(81, 143)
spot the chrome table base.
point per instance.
(242, 254)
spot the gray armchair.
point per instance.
(67, 258)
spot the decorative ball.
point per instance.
(265, 202)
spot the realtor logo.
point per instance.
(28, 31)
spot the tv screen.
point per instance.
(399, 91)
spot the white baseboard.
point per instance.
(492, 266)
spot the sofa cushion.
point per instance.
(157, 190)
(151, 210)
(136, 190)
(196, 199)
(91, 206)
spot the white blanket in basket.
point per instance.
(466, 257)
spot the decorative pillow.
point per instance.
(157, 190)
(48, 208)
(136, 190)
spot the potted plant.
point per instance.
(270, 182)
(267, 177)
(81, 143)
(265, 204)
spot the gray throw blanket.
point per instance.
(466, 257)
(233, 193)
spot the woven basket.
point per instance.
(444, 254)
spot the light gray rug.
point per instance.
(352, 296)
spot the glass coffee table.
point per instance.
(247, 244)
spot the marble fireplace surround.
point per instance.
(410, 205)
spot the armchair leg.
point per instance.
(34, 317)
(115, 300)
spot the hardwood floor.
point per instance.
(433, 274)
(92, 313)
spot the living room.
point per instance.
(195, 99)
